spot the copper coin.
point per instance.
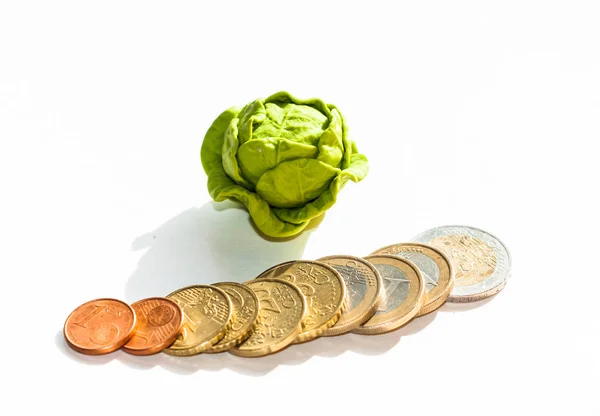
(159, 321)
(99, 326)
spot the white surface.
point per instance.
(477, 113)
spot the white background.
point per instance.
(478, 113)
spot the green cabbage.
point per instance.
(285, 159)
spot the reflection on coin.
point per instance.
(159, 321)
(245, 311)
(434, 266)
(281, 311)
(207, 314)
(323, 288)
(99, 326)
(404, 290)
(480, 261)
(363, 291)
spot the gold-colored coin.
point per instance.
(323, 288)
(243, 320)
(435, 267)
(363, 291)
(282, 309)
(207, 314)
(403, 291)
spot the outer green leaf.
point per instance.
(229, 153)
(211, 151)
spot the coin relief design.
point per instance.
(323, 288)
(475, 260)
(435, 267)
(99, 326)
(480, 261)
(403, 288)
(243, 319)
(281, 312)
(161, 315)
(363, 291)
(207, 312)
(159, 322)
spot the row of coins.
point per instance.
(298, 301)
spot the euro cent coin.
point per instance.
(207, 314)
(245, 313)
(403, 291)
(281, 312)
(435, 268)
(480, 261)
(323, 288)
(363, 291)
(159, 322)
(99, 326)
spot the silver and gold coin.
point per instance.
(435, 268)
(207, 315)
(363, 291)
(323, 288)
(480, 261)
(403, 291)
(243, 319)
(282, 309)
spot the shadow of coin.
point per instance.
(371, 344)
(213, 243)
(63, 347)
(179, 365)
(293, 355)
(418, 324)
(464, 306)
(216, 362)
(375, 344)
(362, 344)
(140, 362)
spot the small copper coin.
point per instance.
(100, 326)
(159, 322)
